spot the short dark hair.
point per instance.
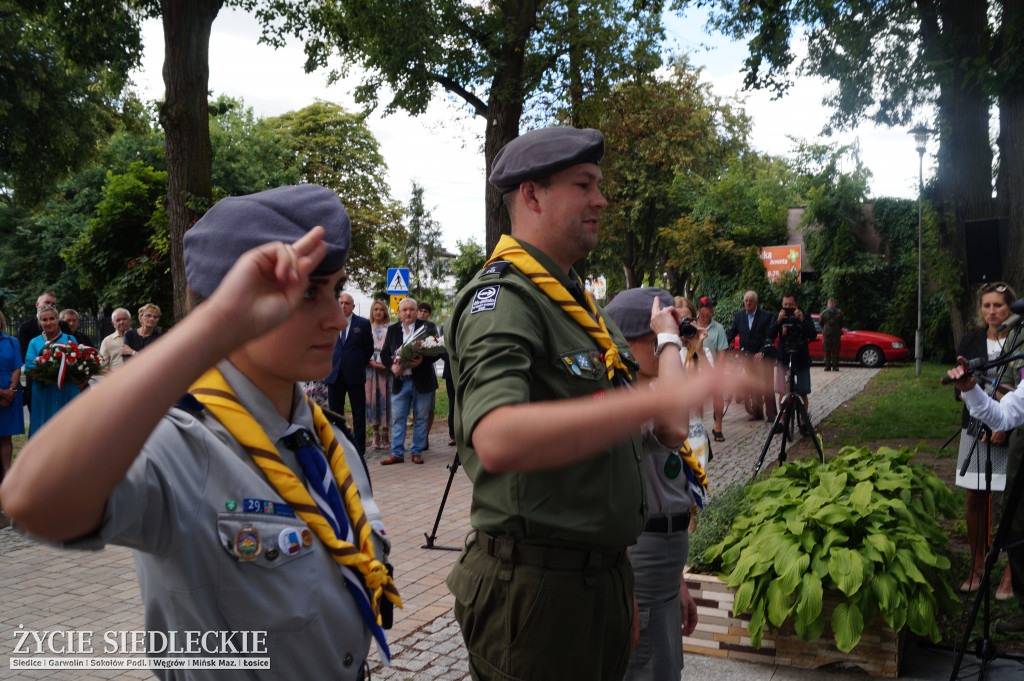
(425, 306)
(792, 294)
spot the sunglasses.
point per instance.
(997, 287)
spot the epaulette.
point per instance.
(496, 267)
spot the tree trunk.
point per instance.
(1010, 181)
(963, 184)
(186, 122)
(505, 106)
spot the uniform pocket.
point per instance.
(271, 575)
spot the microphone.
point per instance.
(982, 363)
(1017, 307)
(1012, 321)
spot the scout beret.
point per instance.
(631, 310)
(237, 224)
(540, 153)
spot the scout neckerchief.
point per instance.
(695, 475)
(214, 392)
(510, 250)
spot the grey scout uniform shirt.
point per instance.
(511, 344)
(191, 489)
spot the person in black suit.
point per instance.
(751, 324)
(352, 353)
(414, 384)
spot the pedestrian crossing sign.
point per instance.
(398, 280)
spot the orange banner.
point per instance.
(779, 259)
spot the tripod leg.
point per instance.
(813, 434)
(768, 443)
(1010, 503)
(453, 466)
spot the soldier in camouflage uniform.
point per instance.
(831, 320)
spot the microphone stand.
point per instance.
(986, 649)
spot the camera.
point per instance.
(687, 329)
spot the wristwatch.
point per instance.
(667, 339)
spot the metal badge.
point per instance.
(673, 466)
(248, 544)
(289, 541)
(307, 537)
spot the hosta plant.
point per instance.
(862, 526)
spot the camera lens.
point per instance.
(686, 328)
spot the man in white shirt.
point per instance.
(110, 347)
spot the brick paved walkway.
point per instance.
(41, 588)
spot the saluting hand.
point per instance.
(267, 284)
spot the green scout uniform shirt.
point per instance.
(831, 322)
(510, 344)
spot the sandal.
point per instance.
(718, 436)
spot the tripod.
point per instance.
(985, 650)
(791, 407)
(453, 466)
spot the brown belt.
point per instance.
(548, 556)
(665, 524)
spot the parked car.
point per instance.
(869, 348)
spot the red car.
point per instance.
(870, 348)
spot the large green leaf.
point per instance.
(744, 594)
(778, 603)
(885, 589)
(861, 496)
(846, 568)
(847, 625)
(883, 544)
(832, 484)
(809, 599)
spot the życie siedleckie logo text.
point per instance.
(84, 642)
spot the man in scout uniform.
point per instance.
(248, 512)
(547, 431)
(831, 320)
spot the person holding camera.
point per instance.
(791, 331)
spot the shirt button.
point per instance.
(347, 661)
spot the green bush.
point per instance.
(713, 524)
(862, 526)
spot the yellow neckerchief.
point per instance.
(510, 250)
(690, 459)
(216, 395)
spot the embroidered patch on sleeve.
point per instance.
(485, 299)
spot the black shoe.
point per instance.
(779, 428)
(828, 368)
(1014, 624)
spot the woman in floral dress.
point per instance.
(378, 379)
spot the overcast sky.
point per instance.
(442, 149)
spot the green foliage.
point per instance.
(423, 254)
(714, 522)
(754, 277)
(468, 263)
(336, 149)
(122, 254)
(862, 527)
(249, 154)
(65, 69)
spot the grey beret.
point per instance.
(237, 224)
(631, 309)
(543, 152)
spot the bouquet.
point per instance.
(59, 363)
(428, 346)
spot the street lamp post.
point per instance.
(920, 134)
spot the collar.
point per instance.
(258, 404)
(565, 279)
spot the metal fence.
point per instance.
(97, 328)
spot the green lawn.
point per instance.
(897, 404)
